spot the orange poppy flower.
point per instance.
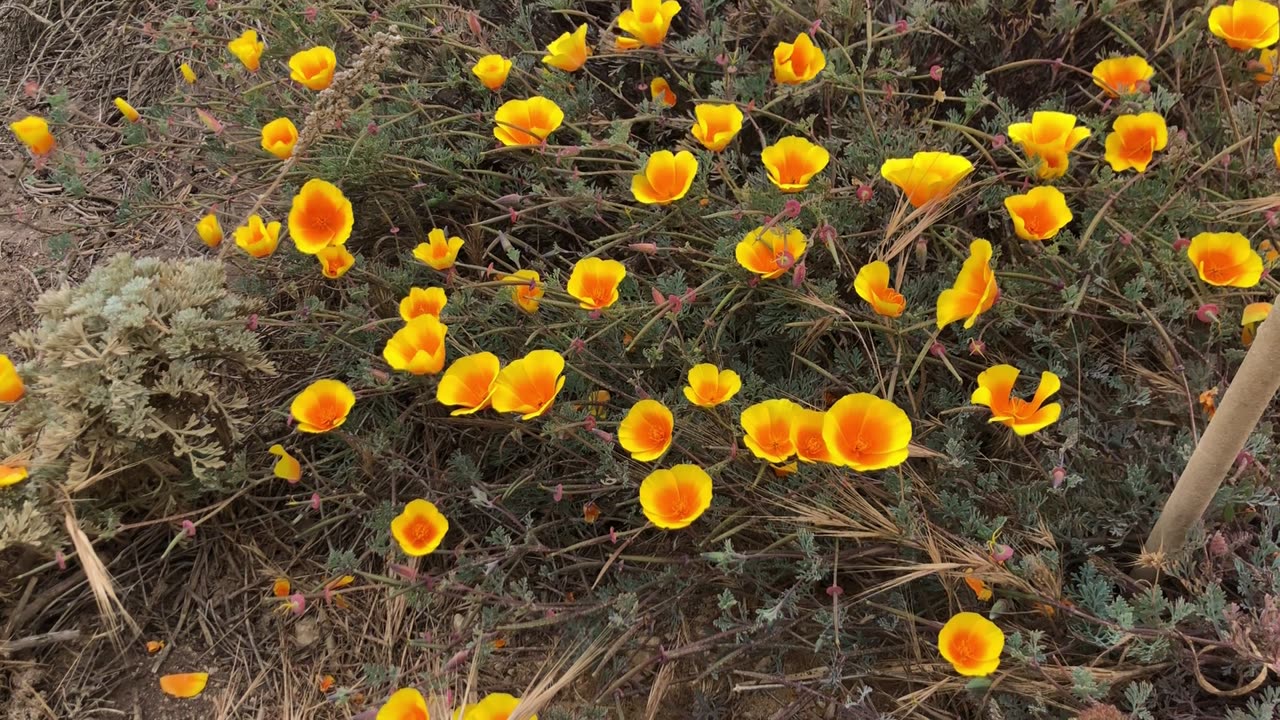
(335, 261)
(1049, 138)
(11, 387)
(1225, 259)
(666, 177)
(1275, 150)
(438, 252)
(710, 386)
(768, 253)
(926, 176)
(1246, 24)
(405, 704)
(793, 161)
(419, 301)
(768, 427)
(1253, 315)
(797, 62)
(646, 23)
(1122, 75)
(469, 383)
(279, 137)
(184, 685)
(128, 111)
(492, 71)
(12, 475)
(418, 347)
(569, 52)
(995, 388)
(660, 91)
(154, 646)
(187, 73)
(594, 282)
(526, 122)
(979, 588)
(673, 499)
(872, 285)
(257, 238)
(248, 49)
(1039, 213)
(209, 230)
(1267, 63)
(972, 644)
(494, 706)
(526, 289)
(322, 406)
(281, 587)
(33, 132)
(1209, 402)
(864, 432)
(287, 466)
(529, 385)
(313, 68)
(715, 126)
(806, 435)
(646, 430)
(974, 291)
(1135, 140)
(321, 216)
(1269, 253)
(419, 529)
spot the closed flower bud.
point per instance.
(1207, 313)
(645, 248)
(1059, 476)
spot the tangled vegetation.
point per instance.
(721, 359)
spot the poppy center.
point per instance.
(814, 447)
(326, 413)
(1020, 409)
(421, 531)
(967, 649)
(860, 445)
(658, 434)
(675, 503)
(1216, 270)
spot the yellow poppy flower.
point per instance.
(313, 68)
(864, 432)
(127, 110)
(33, 131)
(710, 386)
(672, 499)
(419, 301)
(469, 383)
(321, 216)
(404, 704)
(438, 252)
(494, 706)
(209, 230)
(526, 122)
(322, 406)
(11, 386)
(995, 388)
(335, 261)
(257, 238)
(418, 347)
(1038, 214)
(492, 70)
(806, 435)
(184, 685)
(529, 385)
(419, 529)
(768, 252)
(287, 466)
(646, 430)
(1267, 62)
(768, 427)
(646, 23)
(187, 73)
(660, 91)
(526, 289)
(797, 62)
(926, 176)
(1225, 259)
(248, 49)
(1049, 138)
(974, 291)
(666, 177)
(872, 285)
(793, 161)
(12, 475)
(1246, 24)
(569, 52)
(279, 137)
(715, 126)
(594, 282)
(1253, 315)
(972, 644)
(1134, 141)
(1122, 75)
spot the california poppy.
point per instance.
(793, 161)
(797, 62)
(660, 91)
(279, 137)
(972, 644)
(569, 52)
(529, 385)
(404, 704)
(1267, 65)
(646, 23)
(286, 467)
(1122, 75)
(492, 70)
(974, 291)
(438, 252)
(710, 386)
(1246, 24)
(188, 74)
(423, 301)
(770, 252)
(335, 261)
(1134, 140)
(526, 122)
(418, 347)
(11, 387)
(184, 685)
(209, 230)
(419, 528)
(1039, 213)
(768, 428)
(12, 475)
(128, 111)
(469, 382)
(257, 238)
(864, 432)
(321, 216)
(594, 282)
(666, 177)
(322, 406)
(313, 68)
(646, 430)
(1225, 259)
(1049, 138)
(806, 435)
(995, 389)
(872, 285)
(248, 49)
(926, 176)
(526, 289)
(672, 499)
(715, 126)
(33, 131)
(1253, 315)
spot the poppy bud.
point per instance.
(814, 27)
(937, 349)
(658, 298)
(888, 92)
(722, 59)
(605, 437)
(797, 277)
(1126, 239)
(590, 423)
(513, 215)
(1059, 476)
(901, 26)
(935, 72)
(188, 528)
(310, 13)
(31, 88)
(690, 296)
(394, 230)
(577, 345)
(792, 208)
(380, 375)
(865, 193)
(1181, 244)
(673, 303)
(315, 501)
(835, 591)
(998, 141)
(613, 535)
(977, 347)
(569, 151)
(558, 495)
(1218, 545)
(252, 323)
(473, 22)
(61, 559)
(1207, 313)
(645, 248)
(1270, 217)
(1002, 553)
(1243, 459)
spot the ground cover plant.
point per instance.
(657, 359)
